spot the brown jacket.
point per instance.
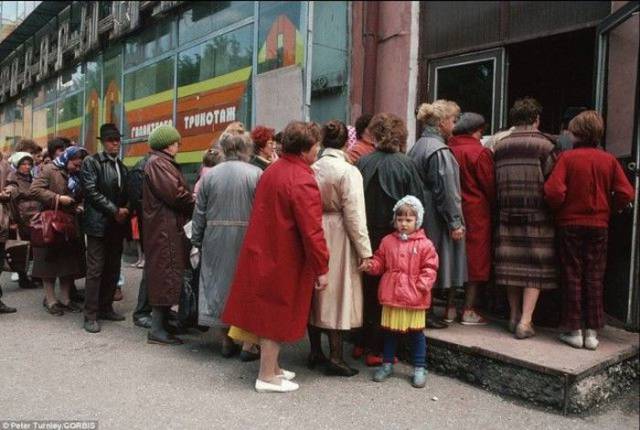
(167, 205)
(24, 207)
(4, 209)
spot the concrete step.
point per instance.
(540, 369)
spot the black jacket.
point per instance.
(102, 195)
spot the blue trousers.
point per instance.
(418, 346)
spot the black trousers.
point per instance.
(104, 256)
(1, 263)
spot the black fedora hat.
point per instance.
(109, 131)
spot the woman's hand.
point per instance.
(66, 200)
(322, 282)
(365, 265)
(457, 234)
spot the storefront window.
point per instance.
(111, 87)
(155, 41)
(44, 124)
(214, 89)
(207, 17)
(148, 102)
(329, 74)
(279, 40)
(69, 118)
(93, 103)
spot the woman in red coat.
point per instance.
(477, 183)
(283, 256)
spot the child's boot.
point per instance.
(573, 338)
(591, 339)
(383, 372)
(419, 377)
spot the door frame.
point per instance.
(497, 56)
(600, 88)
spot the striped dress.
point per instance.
(525, 236)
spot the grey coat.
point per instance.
(440, 174)
(220, 219)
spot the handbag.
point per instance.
(16, 253)
(52, 228)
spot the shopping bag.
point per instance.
(188, 306)
(16, 255)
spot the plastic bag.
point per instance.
(188, 307)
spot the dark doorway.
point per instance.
(556, 70)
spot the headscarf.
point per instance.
(415, 204)
(352, 136)
(18, 157)
(61, 162)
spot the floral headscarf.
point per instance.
(352, 136)
(61, 162)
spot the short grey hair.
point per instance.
(236, 145)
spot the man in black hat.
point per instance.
(104, 179)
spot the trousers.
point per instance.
(103, 270)
(418, 347)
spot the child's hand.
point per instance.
(457, 234)
(365, 265)
(322, 282)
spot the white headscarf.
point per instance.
(415, 203)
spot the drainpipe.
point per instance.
(370, 37)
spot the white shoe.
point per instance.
(285, 386)
(591, 340)
(573, 338)
(15, 277)
(287, 374)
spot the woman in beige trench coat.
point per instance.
(339, 306)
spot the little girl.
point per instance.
(408, 263)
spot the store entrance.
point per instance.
(556, 70)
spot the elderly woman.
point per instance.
(444, 222)
(264, 146)
(525, 260)
(58, 185)
(339, 307)
(477, 182)
(23, 207)
(283, 255)
(388, 175)
(220, 219)
(167, 205)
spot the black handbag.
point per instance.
(16, 254)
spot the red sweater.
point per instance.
(581, 185)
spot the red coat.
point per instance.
(477, 183)
(409, 269)
(283, 253)
(579, 188)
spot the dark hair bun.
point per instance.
(334, 134)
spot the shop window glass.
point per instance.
(71, 80)
(280, 43)
(329, 73)
(155, 41)
(207, 17)
(93, 104)
(148, 102)
(111, 89)
(214, 80)
(469, 85)
(69, 117)
(46, 93)
(44, 124)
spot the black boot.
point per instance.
(158, 334)
(24, 282)
(4, 309)
(316, 356)
(336, 365)
(435, 322)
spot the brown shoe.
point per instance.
(117, 296)
(524, 331)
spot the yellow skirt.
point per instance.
(240, 335)
(402, 320)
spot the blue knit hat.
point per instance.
(163, 136)
(415, 203)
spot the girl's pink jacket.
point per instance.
(408, 268)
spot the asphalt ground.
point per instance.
(51, 369)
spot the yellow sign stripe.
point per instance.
(163, 96)
(239, 75)
(76, 122)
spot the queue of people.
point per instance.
(331, 229)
